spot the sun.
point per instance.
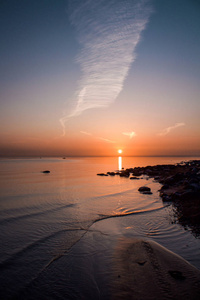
(119, 151)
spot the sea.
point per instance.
(58, 229)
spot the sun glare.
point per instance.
(119, 151)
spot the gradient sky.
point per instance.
(89, 77)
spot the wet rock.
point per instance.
(148, 171)
(170, 180)
(144, 189)
(137, 171)
(124, 174)
(195, 186)
(147, 193)
(164, 187)
(166, 197)
(130, 170)
(177, 195)
(111, 173)
(194, 170)
(187, 195)
(102, 174)
(180, 185)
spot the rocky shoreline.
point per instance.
(180, 186)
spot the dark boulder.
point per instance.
(46, 171)
(144, 189)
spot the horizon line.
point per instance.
(67, 156)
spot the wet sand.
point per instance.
(106, 265)
(143, 269)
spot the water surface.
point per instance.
(45, 217)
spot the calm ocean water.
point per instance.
(45, 217)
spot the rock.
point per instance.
(166, 198)
(124, 174)
(176, 195)
(170, 180)
(131, 170)
(147, 193)
(195, 187)
(137, 172)
(180, 185)
(148, 171)
(111, 173)
(102, 174)
(164, 187)
(46, 171)
(187, 194)
(144, 189)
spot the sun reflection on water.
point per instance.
(119, 163)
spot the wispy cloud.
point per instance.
(98, 138)
(130, 134)
(170, 128)
(85, 132)
(108, 32)
(105, 140)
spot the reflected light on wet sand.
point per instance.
(119, 163)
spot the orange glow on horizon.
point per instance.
(79, 144)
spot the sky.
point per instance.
(90, 77)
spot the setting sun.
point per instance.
(119, 151)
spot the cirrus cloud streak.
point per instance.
(170, 128)
(108, 32)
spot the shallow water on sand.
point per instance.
(44, 217)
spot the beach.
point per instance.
(106, 264)
(100, 150)
(70, 234)
(148, 271)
